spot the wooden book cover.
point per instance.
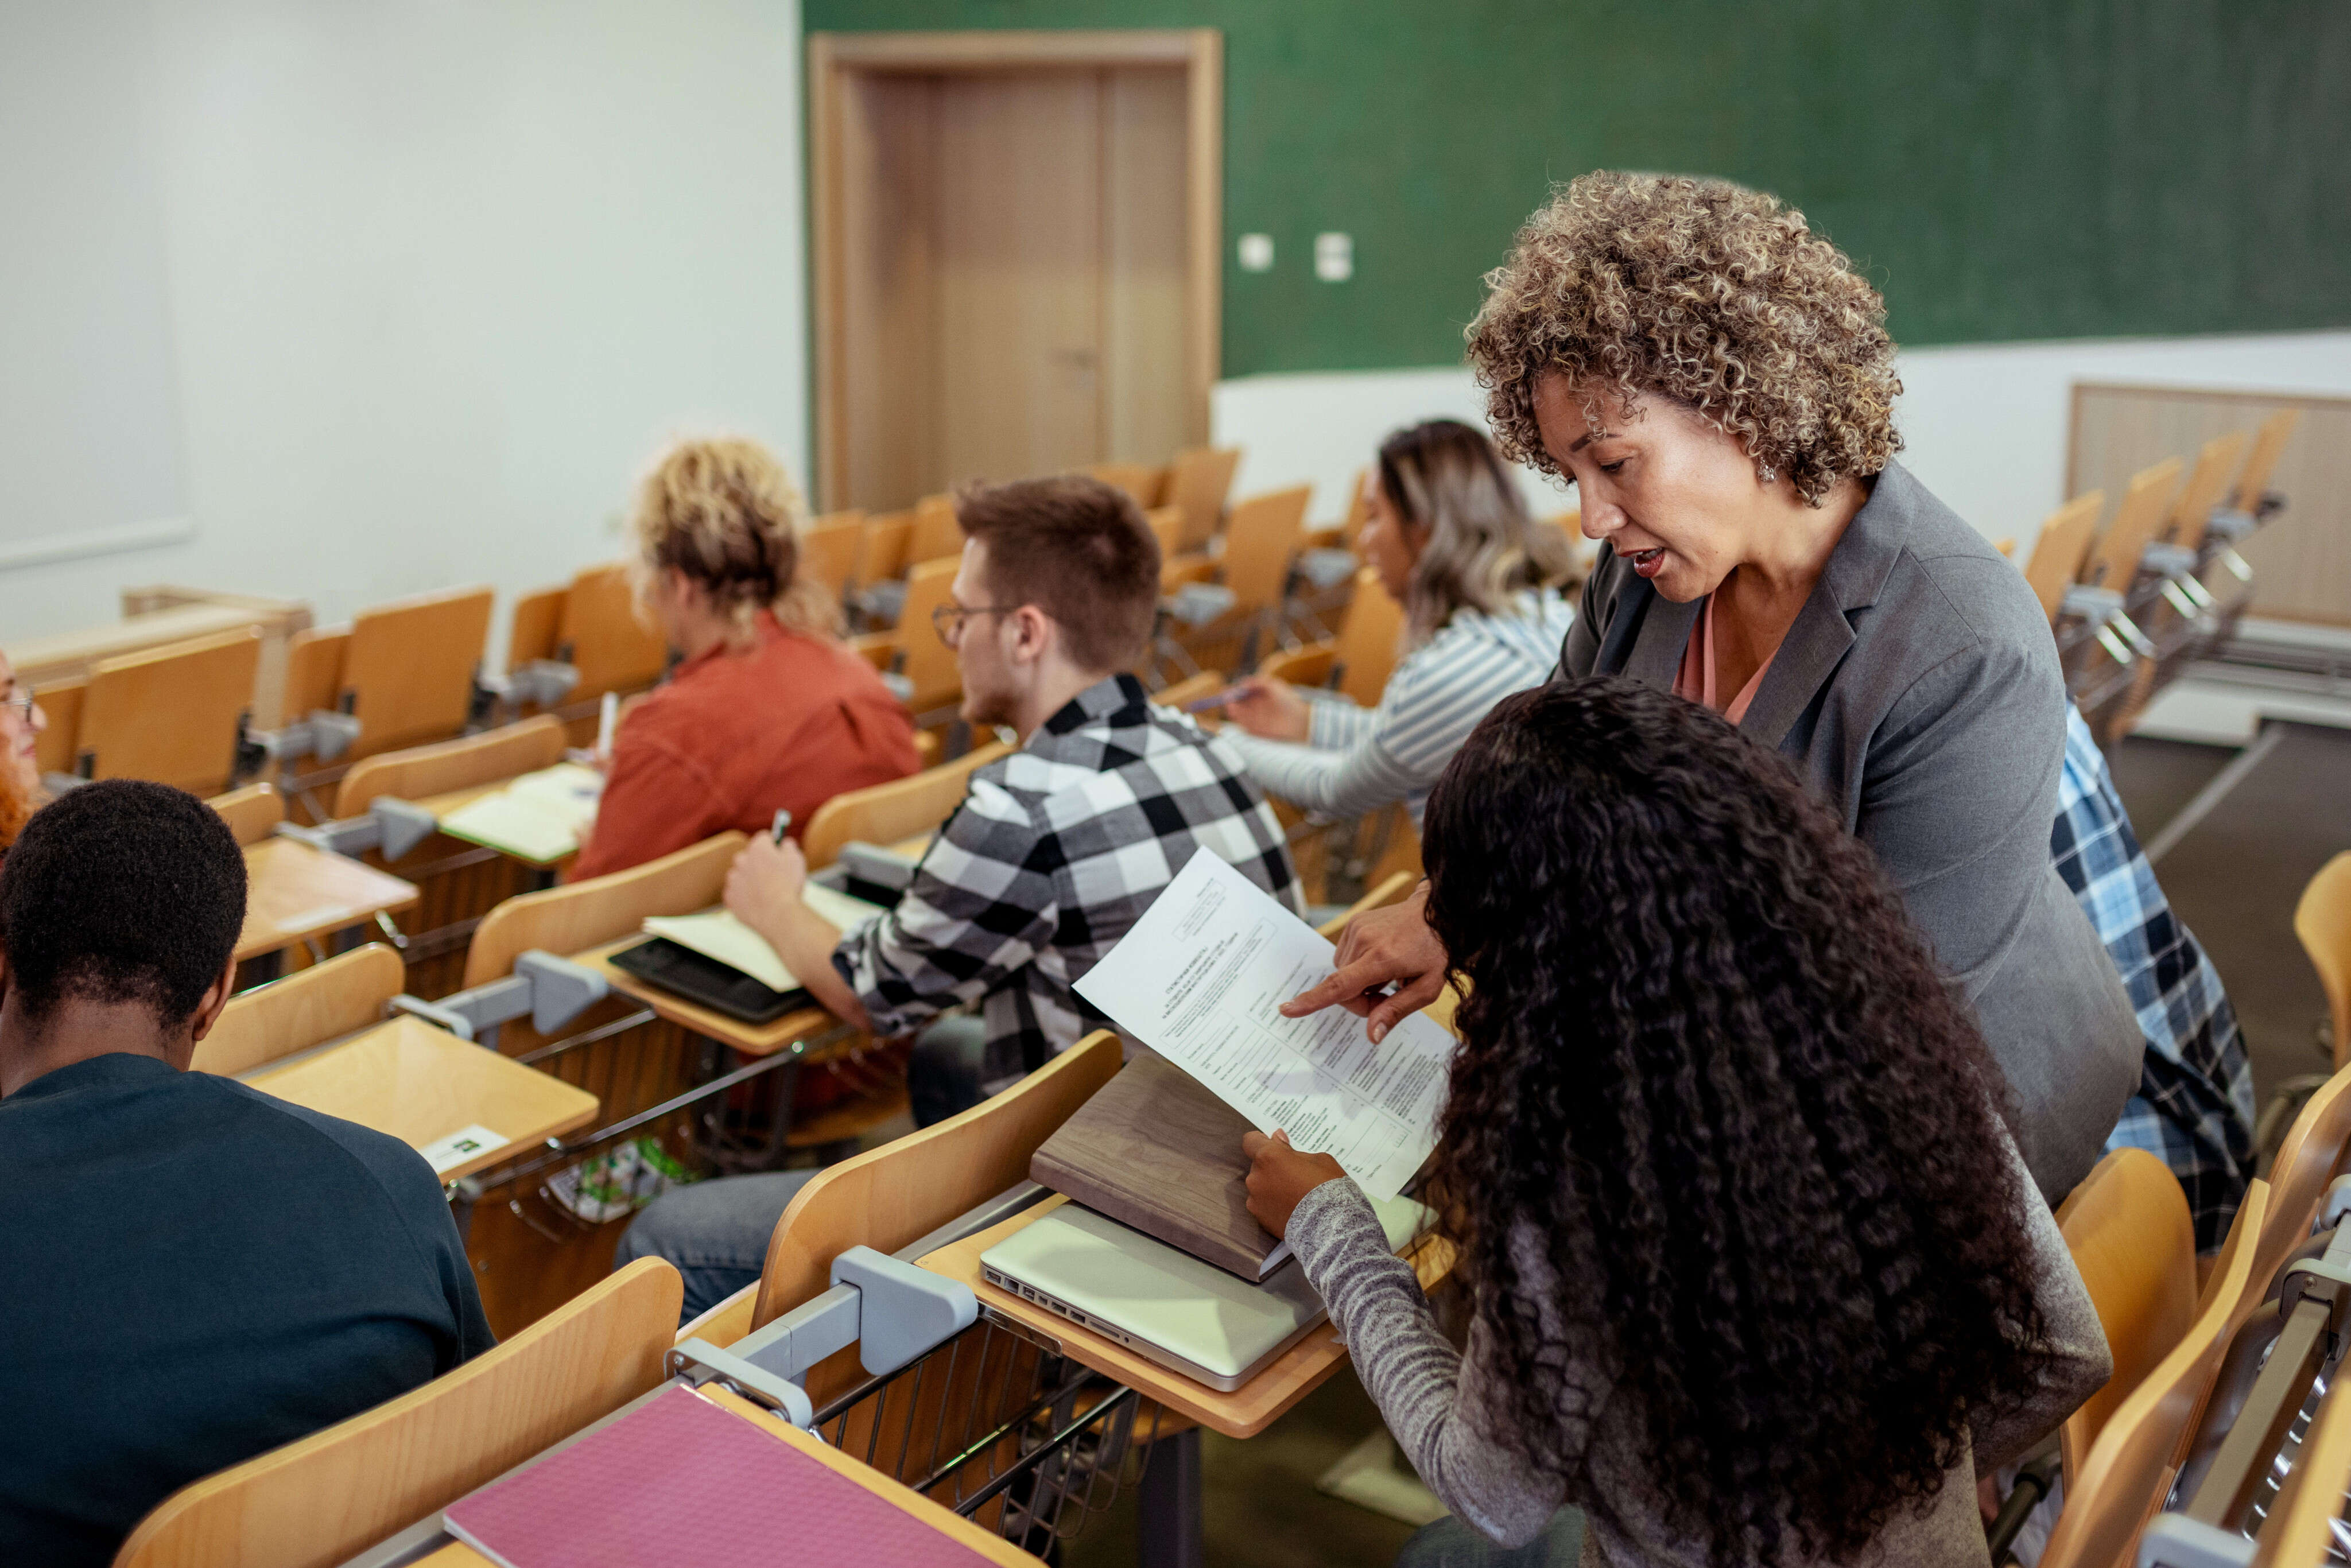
(1155, 1150)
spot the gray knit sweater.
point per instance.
(1440, 1405)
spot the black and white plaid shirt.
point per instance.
(1055, 850)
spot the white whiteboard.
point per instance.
(90, 423)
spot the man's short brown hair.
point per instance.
(1079, 551)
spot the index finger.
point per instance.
(1347, 984)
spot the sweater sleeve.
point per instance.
(2073, 1337)
(1432, 1400)
(1359, 760)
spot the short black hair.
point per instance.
(121, 890)
(1078, 549)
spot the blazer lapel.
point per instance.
(1656, 656)
(1856, 571)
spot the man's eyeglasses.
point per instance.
(23, 702)
(948, 618)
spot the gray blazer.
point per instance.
(1919, 692)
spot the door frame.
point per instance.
(834, 57)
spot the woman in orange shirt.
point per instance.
(767, 708)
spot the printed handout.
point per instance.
(1200, 979)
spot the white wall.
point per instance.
(442, 277)
(1985, 425)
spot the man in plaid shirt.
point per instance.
(2194, 1108)
(1055, 850)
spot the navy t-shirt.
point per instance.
(195, 1273)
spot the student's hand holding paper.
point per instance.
(1382, 947)
(764, 889)
(1279, 1176)
(765, 881)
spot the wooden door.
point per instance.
(1015, 261)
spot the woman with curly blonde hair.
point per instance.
(767, 708)
(1717, 382)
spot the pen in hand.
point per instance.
(783, 825)
(1214, 700)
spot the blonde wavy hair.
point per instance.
(723, 511)
(1702, 291)
(1483, 549)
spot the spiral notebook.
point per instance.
(681, 1483)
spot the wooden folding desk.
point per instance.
(1246, 1411)
(974, 1537)
(810, 1033)
(419, 1085)
(295, 894)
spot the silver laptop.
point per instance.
(1162, 1303)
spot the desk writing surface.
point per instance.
(749, 1039)
(295, 891)
(954, 1527)
(1245, 1412)
(419, 1085)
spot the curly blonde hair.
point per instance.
(723, 511)
(1702, 291)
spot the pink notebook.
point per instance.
(681, 1482)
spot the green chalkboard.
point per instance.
(2005, 169)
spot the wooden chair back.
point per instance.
(887, 813)
(2120, 1483)
(881, 552)
(2322, 919)
(1261, 539)
(2217, 462)
(342, 995)
(1307, 666)
(888, 1196)
(1191, 689)
(1139, 480)
(2146, 502)
(1368, 639)
(2063, 546)
(1359, 505)
(53, 748)
(601, 636)
(1167, 527)
(936, 534)
(252, 813)
(534, 631)
(829, 549)
(170, 713)
(1197, 482)
(2310, 1157)
(580, 915)
(314, 670)
(1393, 889)
(408, 672)
(2132, 1239)
(929, 663)
(420, 771)
(336, 1492)
(2006, 546)
(2269, 445)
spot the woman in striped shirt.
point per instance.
(1483, 618)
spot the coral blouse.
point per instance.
(1695, 678)
(732, 737)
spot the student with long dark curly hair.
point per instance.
(1757, 1274)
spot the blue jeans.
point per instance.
(1449, 1543)
(714, 1231)
(717, 1232)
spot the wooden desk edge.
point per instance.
(1243, 1412)
(748, 1040)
